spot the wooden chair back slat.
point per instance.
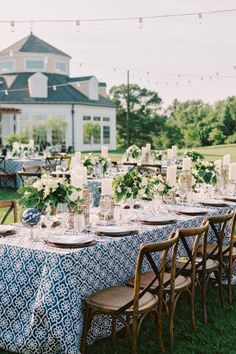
(11, 207)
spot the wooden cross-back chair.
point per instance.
(185, 274)
(220, 250)
(8, 207)
(6, 176)
(132, 305)
(56, 160)
(30, 172)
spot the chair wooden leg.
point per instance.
(218, 275)
(203, 287)
(134, 335)
(171, 323)
(87, 322)
(158, 319)
(113, 330)
(191, 295)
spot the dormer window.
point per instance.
(60, 67)
(34, 64)
(6, 66)
(38, 85)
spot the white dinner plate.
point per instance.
(159, 219)
(230, 198)
(70, 240)
(115, 230)
(214, 202)
(7, 229)
(188, 210)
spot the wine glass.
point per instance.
(63, 166)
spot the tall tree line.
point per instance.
(190, 123)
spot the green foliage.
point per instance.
(191, 123)
(57, 127)
(21, 138)
(195, 155)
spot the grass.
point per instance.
(217, 337)
(210, 152)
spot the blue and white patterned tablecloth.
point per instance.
(13, 165)
(95, 187)
(42, 288)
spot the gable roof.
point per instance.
(32, 44)
(64, 94)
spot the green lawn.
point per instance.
(210, 152)
(216, 337)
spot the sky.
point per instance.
(167, 55)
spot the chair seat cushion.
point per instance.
(211, 248)
(211, 265)
(181, 281)
(115, 297)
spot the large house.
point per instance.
(35, 87)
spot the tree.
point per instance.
(56, 126)
(145, 121)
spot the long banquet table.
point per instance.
(42, 288)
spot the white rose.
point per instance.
(38, 185)
(160, 188)
(144, 181)
(74, 196)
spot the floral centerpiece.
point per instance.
(158, 155)
(133, 152)
(89, 162)
(104, 164)
(47, 192)
(92, 162)
(134, 185)
(195, 155)
(204, 172)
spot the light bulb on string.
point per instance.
(140, 23)
(200, 18)
(12, 26)
(11, 53)
(6, 92)
(54, 87)
(46, 60)
(77, 23)
(234, 67)
(217, 74)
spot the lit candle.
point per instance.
(105, 151)
(232, 171)
(148, 147)
(170, 154)
(187, 163)
(171, 175)
(106, 186)
(218, 165)
(78, 157)
(226, 160)
(174, 149)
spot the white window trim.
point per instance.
(35, 59)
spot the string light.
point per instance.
(77, 23)
(6, 92)
(12, 23)
(200, 18)
(140, 23)
(54, 87)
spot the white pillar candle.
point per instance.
(81, 171)
(187, 163)
(15, 145)
(78, 157)
(77, 180)
(171, 175)
(174, 150)
(170, 154)
(106, 186)
(148, 147)
(105, 151)
(232, 171)
(226, 160)
(31, 143)
(144, 151)
(218, 165)
(73, 163)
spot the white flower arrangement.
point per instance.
(133, 152)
